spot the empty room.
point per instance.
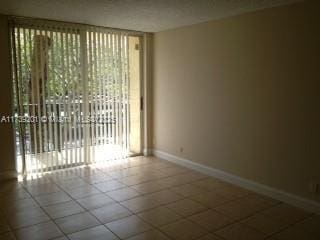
(159, 120)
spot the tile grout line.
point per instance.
(141, 195)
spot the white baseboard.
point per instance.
(8, 175)
(307, 204)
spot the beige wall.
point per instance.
(7, 160)
(242, 95)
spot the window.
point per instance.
(77, 94)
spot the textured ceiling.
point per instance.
(142, 15)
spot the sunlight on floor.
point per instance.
(38, 164)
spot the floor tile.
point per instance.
(4, 227)
(7, 236)
(27, 218)
(123, 194)
(95, 233)
(286, 213)
(88, 171)
(36, 181)
(63, 175)
(141, 203)
(193, 176)
(165, 196)
(178, 202)
(111, 212)
(95, 201)
(15, 195)
(184, 230)
(72, 183)
(295, 233)
(36, 190)
(61, 238)
(187, 190)
(265, 224)
(258, 202)
(310, 225)
(132, 170)
(238, 210)
(77, 222)
(173, 181)
(19, 206)
(52, 198)
(149, 235)
(42, 231)
(186, 207)
(128, 227)
(159, 216)
(153, 175)
(210, 199)
(239, 231)
(93, 179)
(210, 237)
(232, 192)
(109, 185)
(162, 164)
(150, 187)
(63, 209)
(174, 170)
(210, 220)
(133, 180)
(82, 192)
(209, 184)
(120, 173)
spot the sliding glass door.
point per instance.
(77, 94)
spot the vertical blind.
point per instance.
(71, 88)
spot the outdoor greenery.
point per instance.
(49, 68)
(58, 66)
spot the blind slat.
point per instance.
(75, 80)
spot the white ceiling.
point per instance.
(142, 15)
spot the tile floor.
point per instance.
(144, 199)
